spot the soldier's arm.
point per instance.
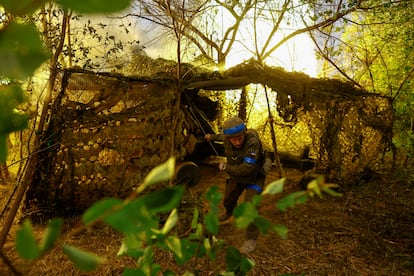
(214, 137)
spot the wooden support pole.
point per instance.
(273, 135)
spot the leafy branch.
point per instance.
(137, 219)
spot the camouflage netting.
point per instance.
(106, 133)
(107, 130)
(350, 130)
(347, 130)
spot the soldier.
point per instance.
(246, 170)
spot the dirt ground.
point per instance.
(367, 231)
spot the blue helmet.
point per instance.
(233, 127)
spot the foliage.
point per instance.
(26, 242)
(22, 52)
(10, 119)
(138, 219)
(375, 50)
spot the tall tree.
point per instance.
(217, 28)
(375, 50)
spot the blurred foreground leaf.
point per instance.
(163, 200)
(159, 174)
(291, 200)
(276, 187)
(99, 209)
(281, 230)
(21, 7)
(237, 263)
(84, 261)
(245, 213)
(21, 51)
(52, 233)
(26, 244)
(10, 120)
(132, 217)
(95, 6)
(132, 245)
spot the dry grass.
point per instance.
(368, 231)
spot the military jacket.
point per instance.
(243, 164)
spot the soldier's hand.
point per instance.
(207, 137)
(222, 166)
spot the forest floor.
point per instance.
(367, 231)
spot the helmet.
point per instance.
(233, 127)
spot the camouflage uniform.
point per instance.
(244, 167)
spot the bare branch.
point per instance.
(407, 78)
(275, 28)
(327, 58)
(326, 22)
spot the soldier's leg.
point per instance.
(252, 232)
(232, 192)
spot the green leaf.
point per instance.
(183, 249)
(281, 230)
(301, 197)
(131, 218)
(284, 203)
(196, 216)
(100, 209)
(262, 224)
(198, 233)
(233, 259)
(13, 122)
(315, 185)
(276, 187)
(331, 192)
(95, 6)
(163, 200)
(21, 51)
(170, 223)
(84, 261)
(132, 245)
(52, 233)
(159, 174)
(21, 7)
(237, 263)
(10, 97)
(291, 200)
(213, 197)
(26, 244)
(146, 262)
(211, 222)
(10, 120)
(245, 214)
(174, 244)
(246, 265)
(209, 249)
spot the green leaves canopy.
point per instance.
(22, 52)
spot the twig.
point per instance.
(9, 264)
